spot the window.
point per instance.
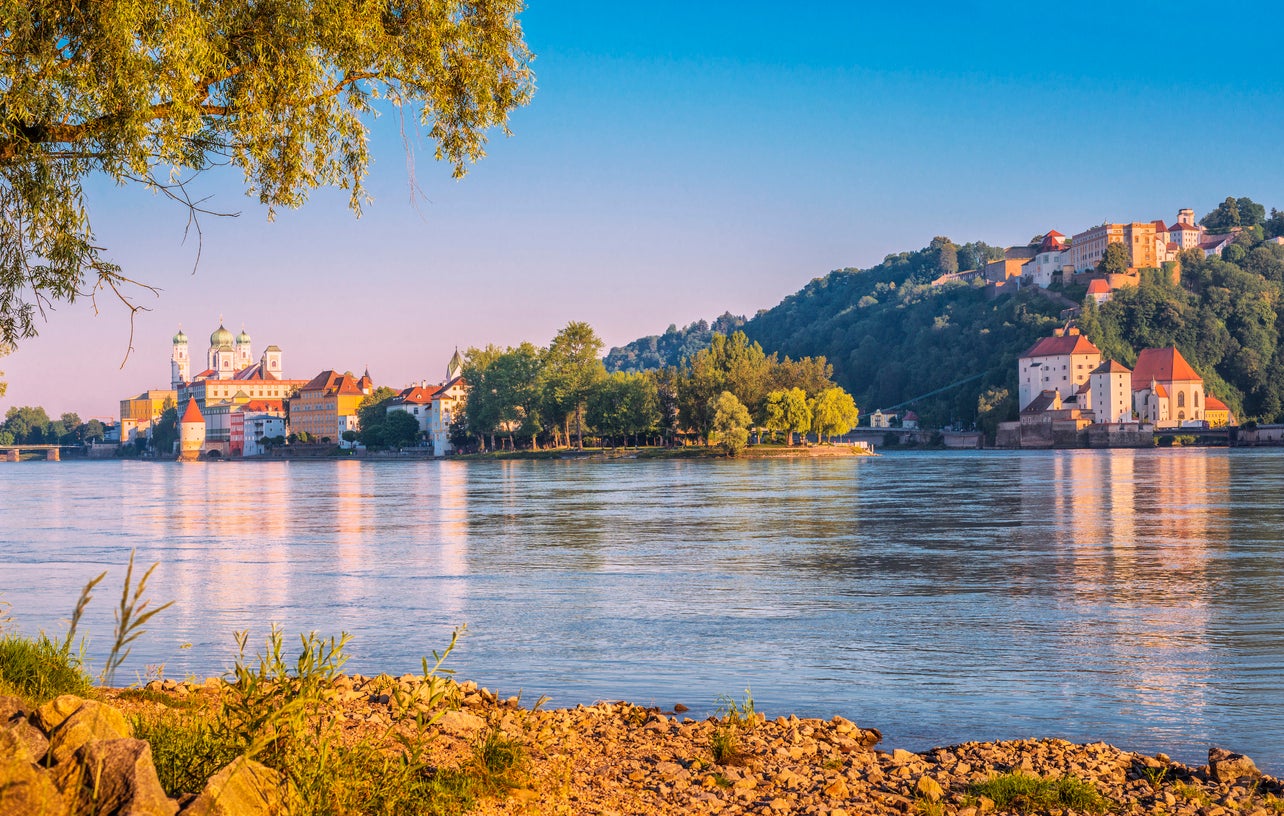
(1181, 399)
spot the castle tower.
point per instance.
(180, 365)
(1186, 216)
(221, 354)
(455, 367)
(243, 356)
(191, 432)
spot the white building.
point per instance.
(1060, 363)
(1110, 386)
(259, 427)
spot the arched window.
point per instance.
(1196, 397)
(1181, 415)
(1181, 399)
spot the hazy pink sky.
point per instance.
(680, 160)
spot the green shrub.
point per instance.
(1031, 794)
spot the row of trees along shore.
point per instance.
(531, 397)
(31, 425)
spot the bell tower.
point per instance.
(180, 365)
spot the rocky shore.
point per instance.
(74, 756)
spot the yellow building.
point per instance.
(138, 414)
(1147, 245)
(1216, 414)
(327, 405)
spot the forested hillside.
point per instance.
(672, 347)
(892, 336)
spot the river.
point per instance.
(1126, 596)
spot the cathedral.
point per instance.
(231, 387)
(228, 358)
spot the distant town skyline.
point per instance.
(678, 162)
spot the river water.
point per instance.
(1126, 596)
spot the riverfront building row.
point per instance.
(1066, 388)
(237, 401)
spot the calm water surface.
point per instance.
(1130, 596)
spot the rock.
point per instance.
(24, 791)
(13, 748)
(869, 737)
(460, 723)
(50, 715)
(900, 756)
(837, 789)
(11, 707)
(1225, 766)
(34, 738)
(90, 721)
(243, 788)
(113, 777)
(929, 789)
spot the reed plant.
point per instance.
(733, 718)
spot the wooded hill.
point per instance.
(893, 337)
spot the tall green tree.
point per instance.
(1115, 260)
(788, 412)
(834, 413)
(283, 91)
(400, 429)
(373, 408)
(625, 405)
(572, 368)
(730, 430)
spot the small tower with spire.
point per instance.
(455, 367)
(180, 365)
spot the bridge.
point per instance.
(53, 453)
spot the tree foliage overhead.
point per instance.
(149, 90)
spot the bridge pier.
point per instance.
(12, 456)
(53, 455)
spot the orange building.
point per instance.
(327, 405)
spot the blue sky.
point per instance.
(679, 160)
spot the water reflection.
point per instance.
(1122, 595)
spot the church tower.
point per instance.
(221, 353)
(455, 367)
(243, 356)
(180, 365)
(271, 362)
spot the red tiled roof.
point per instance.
(1057, 346)
(415, 395)
(332, 382)
(1098, 286)
(1212, 403)
(1053, 234)
(1162, 365)
(1184, 227)
(261, 406)
(192, 413)
(1160, 391)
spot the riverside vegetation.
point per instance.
(288, 732)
